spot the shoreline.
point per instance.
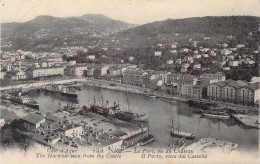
(125, 88)
(162, 96)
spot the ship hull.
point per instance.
(217, 116)
(70, 95)
(180, 135)
(34, 106)
(146, 141)
(31, 105)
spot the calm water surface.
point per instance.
(160, 116)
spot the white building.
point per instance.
(169, 61)
(233, 63)
(91, 57)
(157, 53)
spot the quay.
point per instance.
(247, 120)
(208, 143)
(34, 85)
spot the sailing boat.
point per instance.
(179, 134)
(150, 138)
(179, 144)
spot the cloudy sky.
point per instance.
(131, 11)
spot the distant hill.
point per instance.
(105, 22)
(43, 29)
(55, 24)
(183, 30)
(235, 25)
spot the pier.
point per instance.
(247, 120)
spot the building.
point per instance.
(34, 72)
(155, 83)
(131, 58)
(72, 130)
(186, 84)
(173, 79)
(197, 56)
(249, 62)
(169, 62)
(114, 71)
(90, 57)
(2, 122)
(90, 72)
(15, 75)
(133, 76)
(240, 46)
(157, 53)
(225, 52)
(2, 74)
(219, 76)
(100, 71)
(226, 68)
(197, 66)
(75, 70)
(173, 51)
(255, 79)
(233, 63)
(32, 121)
(234, 91)
(249, 94)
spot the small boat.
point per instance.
(179, 134)
(150, 138)
(215, 114)
(150, 95)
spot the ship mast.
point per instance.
(178, 120)
(172, 123)
(94, 100)
(148, 124)
(127, 105)
(101, 100)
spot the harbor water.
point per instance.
(160, 116)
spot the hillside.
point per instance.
(235, 25)
(45, 29)
(181, 30)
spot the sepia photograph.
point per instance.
(129, 81)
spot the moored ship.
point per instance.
(63, 91)
(25, 100)
(180, 134)
(148, 139)
(215, 114)
(116, 112)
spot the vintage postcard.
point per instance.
(129, 81)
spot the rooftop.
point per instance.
(238, 84)
(33, 118)
(254, 86)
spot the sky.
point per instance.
(131, 11)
